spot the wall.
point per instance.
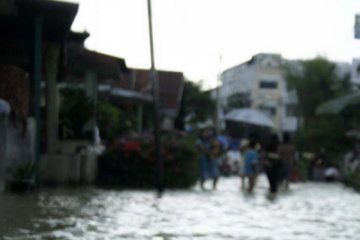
(16, 146)
(3, 138)
(271, 97)
(235, 80)
(20, 143)
(72, 166)
(76, 163)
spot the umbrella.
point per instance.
(249, 116)
(337, 105)
(4, 107)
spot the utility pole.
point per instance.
(35, 87)
(218, 85)
(155, 90)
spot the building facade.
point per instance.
(259, 84)
(355, 73)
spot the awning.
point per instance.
(339, 104)
(134, 95)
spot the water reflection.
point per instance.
(308, 211)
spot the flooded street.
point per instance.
(307, 211)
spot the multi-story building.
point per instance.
(355, 73)
(259, 83)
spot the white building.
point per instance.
(355, 72)
(259, 83)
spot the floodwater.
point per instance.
(308, 211)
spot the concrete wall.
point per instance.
(76, 164)
(239, 79)
(3, 138)
(20, 143)
(16, 146)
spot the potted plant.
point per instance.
(22, 178)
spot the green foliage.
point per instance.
(348, 178)
(131, 163)
(315, 81)
(197, 102)
(111, 120)
(303, 166)
(182, 170)
(328, 132)
(353, 179)
(148, 117)
(75, 110)
(24, 171)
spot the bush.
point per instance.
(24, 171)
(77, 116)
(352, 179)
(22, 178)
(75, 110)
(304, 165)
(131, 163)
(112, 121)
(327, 132)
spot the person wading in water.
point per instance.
(272, 165)
(286, 152)
(250, 163)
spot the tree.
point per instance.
(111, 120)
(77, 116)
(195, 103)
(314, 81)
(75, 110)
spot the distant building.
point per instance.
(259, 83)
(355, 72)
(343, 70)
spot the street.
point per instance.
(307, 211)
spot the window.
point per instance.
(268, 84)
(270, 111)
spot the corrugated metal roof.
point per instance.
(171, 85)
(79, 60)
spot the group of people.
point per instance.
(276, 159)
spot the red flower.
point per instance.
(131, 146)
(169, 157)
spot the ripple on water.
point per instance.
(308, 211)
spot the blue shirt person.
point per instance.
(251, 160)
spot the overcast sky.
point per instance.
(190, 35)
